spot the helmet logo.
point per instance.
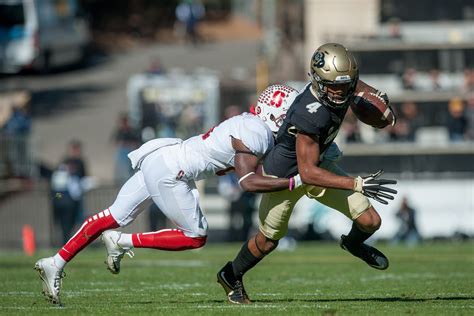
(277, 98)
(318, 59)
(258, 110)
(343, 79)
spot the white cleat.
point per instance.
(115, 252)
(52, 277)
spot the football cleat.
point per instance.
(234, 289)
(115, 253)
(52, 277)
(370, 255)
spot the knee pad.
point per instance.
(358, 204)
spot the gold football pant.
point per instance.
(276, 207)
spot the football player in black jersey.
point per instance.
(304, 146)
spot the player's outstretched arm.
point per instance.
(307, 153)
(246, 165)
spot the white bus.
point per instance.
(40, 34)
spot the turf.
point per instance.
(314, 279)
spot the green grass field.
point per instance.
(315, 279)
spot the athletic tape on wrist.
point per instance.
(358, 184)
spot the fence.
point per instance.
(16, 159)
(33, 207)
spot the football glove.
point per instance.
(383, 96)
(394, 121)
(375, 188)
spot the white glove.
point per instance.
(384, 97)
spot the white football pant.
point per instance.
(156, 179)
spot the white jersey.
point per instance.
(212, 153)
(167, 168)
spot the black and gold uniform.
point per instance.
(309, 116)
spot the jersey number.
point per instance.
(208, 133)
(313, 107)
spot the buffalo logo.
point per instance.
(318, 59)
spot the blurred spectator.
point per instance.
(188, 13)
(408, 79)
(134, 25)
(126, 140)
(242, 204)
(155, 67)
(77, 168)
(75, 158)
(407, 123)
(66, 193)
(241, 209)
(394, 28)
(19, 122)
(435, 79)
(190, 121)
(16, 131)
(470, 116)
(468, 80)
(149, 118)
(457, 121)
(408, 230)
(230, 111)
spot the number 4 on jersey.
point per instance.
(313, 107)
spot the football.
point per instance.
(370, 108)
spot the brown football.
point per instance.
(370, 108)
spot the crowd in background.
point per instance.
(451, 121)
(69, 177)
(15, 129)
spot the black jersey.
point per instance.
(309, 116)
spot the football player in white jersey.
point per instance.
(165, 173)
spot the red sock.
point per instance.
(167, 239)
(89, 231)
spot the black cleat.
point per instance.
(370, 255)
(234, 289)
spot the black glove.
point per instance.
(383, 96)
(375, 188)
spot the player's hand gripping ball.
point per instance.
(372, 107)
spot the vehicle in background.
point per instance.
(41, 35)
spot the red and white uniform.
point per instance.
(167, 169)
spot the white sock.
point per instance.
(125, 241)
(59, 261)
